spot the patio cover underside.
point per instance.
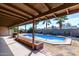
(12, 14)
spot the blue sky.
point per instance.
(73, 19)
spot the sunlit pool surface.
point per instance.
(47, 37)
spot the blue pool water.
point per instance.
(48, 37)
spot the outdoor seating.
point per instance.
(28, 42)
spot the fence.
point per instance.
(67, 32)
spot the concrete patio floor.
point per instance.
(19, 49)
(63, 50)
(49, 50)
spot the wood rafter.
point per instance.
(15, 23)
(47, 6)
(20, 9)
(52, 11)
(67, 11)
(55, 9)
(11, 14)
(15, 11)
(4, 6)
(54, 15)
(33, 8)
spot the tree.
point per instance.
(48, 22)
(61, 20)
(36, 23)
(68, 25)
(30, 30)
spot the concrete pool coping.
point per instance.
(67, 40)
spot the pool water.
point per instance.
(47, 37)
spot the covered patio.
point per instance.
(16, 14)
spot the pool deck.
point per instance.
(49, 49)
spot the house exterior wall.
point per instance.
(4, 31)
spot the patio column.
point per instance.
(33, 34)
(17, 31)
(8, 31)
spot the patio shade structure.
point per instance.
(15, 14)
(18, 13)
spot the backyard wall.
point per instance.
(4, 31)
(67, 32)
(57, 31)
(75, 32)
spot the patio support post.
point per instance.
(33, 35)
(17, 31)
(67, 11)
(8, 31)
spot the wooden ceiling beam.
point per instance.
(63, 6)
(13, 10)
(9, 20)
(20, 10)
(67, 11)
(54, 15)
(16, 23)
(47, 6)
(11, 14)
(33, 8)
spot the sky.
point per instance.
(73, 19)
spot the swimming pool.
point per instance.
(46, 37)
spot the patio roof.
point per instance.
(12, 14)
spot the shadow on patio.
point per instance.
(8, 44)
(4, 49)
